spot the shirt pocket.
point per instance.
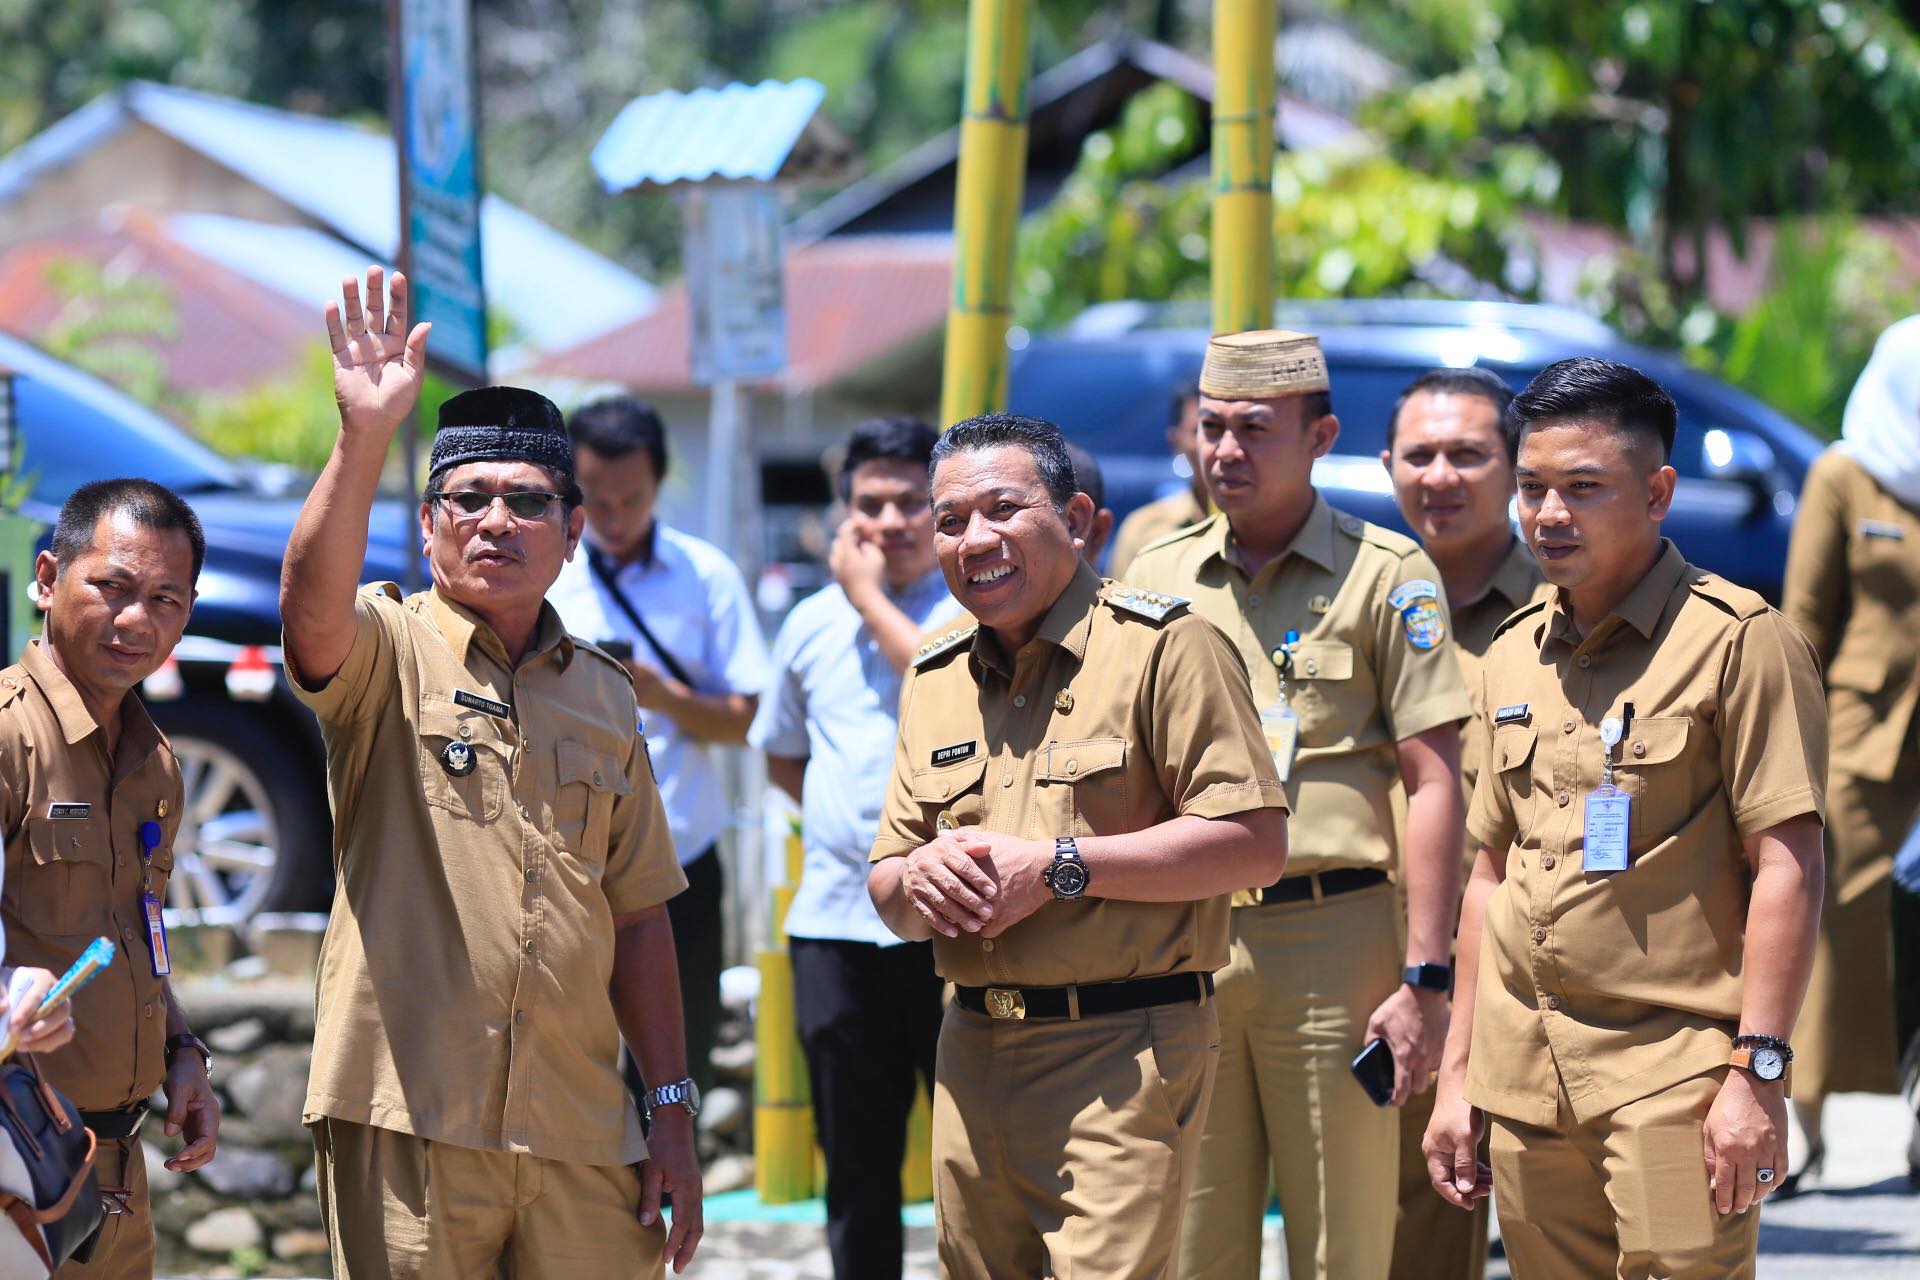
(1083, 788)
(69, 889)
(463, 762)
(953, 788)
(1651, 768)
(1317, 685)
(583, 805)
(1512, 763)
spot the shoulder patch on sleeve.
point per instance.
(1519, 615)
(1413, 590)
(1736, 600)
(942, 644)
(1155, 606)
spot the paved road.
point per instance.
(1858, 1223)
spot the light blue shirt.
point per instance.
(696, 604)
(836, 701)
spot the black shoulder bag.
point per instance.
(602, 571)
(58, 1151)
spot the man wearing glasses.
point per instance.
(503, 862)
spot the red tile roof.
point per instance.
(851, 300)
(231, 334)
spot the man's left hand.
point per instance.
(673, 1168)
(649, 686)
(193, 1111)
(1414, 1025)
(1018, 867)
(1744, 1133)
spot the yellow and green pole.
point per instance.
(1243, 34)
(986, 212)
(783, 1164)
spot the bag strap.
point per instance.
(58, 1209)
(603, 571)
(24, 1218)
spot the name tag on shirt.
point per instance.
(1882, 529)
(1511, 715)
(1608, 812)
(480, 702)
(69, 809)
(954, 754)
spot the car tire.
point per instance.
(257, 780)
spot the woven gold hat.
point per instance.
(1263, 364)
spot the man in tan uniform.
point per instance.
(502, 858)
(1346, 640)
(1177, 511)
(1448, 454)
(90, 800)
(1079, 777)
(1640, 922)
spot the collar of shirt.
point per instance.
(1065, 626)
(1640, 608)
(642, 558)
(922, 588)
(138, 734)
(1312, 541)
(462, 628)
(1513, 581)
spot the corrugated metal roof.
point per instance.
(741, 132)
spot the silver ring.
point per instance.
(1764, 1175)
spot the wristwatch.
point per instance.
(187, 1040)
(685, 1094)
(1428, 977)
(1767, 1057)
(1066, 875)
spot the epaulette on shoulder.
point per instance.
(1736, 600)
(587, 646)
(1155, 606)
(391, 590)
(1176, 536)
(1518, 616)
(1398, 544)
(958, 638)
(13, 685)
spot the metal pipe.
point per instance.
(1243, 35)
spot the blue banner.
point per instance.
(440, 130)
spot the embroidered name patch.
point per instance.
(1511, 715)
(954, 754)
(69, 809)
(479, 702)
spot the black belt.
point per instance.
(111, 1126)
(1300, 888)
(1085, 1001)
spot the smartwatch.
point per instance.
(1428, 977)
(1066, 875)
(685, 1094)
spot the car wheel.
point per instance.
(254, 835)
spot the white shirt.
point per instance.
(695, 603)
(836, 701)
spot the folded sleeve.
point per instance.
(1773, 736)
(369, 675)
(1198, 720)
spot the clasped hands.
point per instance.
(974, 881)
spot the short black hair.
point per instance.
(1586, 387)
(1472, 381)
(1086, 474)
(152, 506)
(896, 438)
(619, 425)
(1036, 435)
(1184, 395)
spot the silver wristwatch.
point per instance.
(685, 1094)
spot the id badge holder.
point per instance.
(1278, 721)
(150, 905)
(1608, 812)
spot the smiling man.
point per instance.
(1079, 778)
(1639, 926)
(502, 858)
(1451, 464)
(1345, 636)
(90, 802)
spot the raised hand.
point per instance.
(378, 366)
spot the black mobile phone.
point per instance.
(621, 649)
(1374, 1070)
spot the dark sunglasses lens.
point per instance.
(527, 506)
(468, 502)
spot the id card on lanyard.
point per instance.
(150, 835)
(1609, 811)
(1278, 721)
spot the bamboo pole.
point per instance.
(986, 209)
(783, 1163)
(1243, 35)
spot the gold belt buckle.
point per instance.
(1006, 1003)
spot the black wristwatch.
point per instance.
(1067, 874)
(187, 1040)
(1428, 977)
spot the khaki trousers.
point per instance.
(1062, 1148)
(398, 1207)
(1845, 1039)
(124, 1250)
(1294, 999)
(1624, 1195)
(1432, 1240)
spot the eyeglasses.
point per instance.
(523, 504)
